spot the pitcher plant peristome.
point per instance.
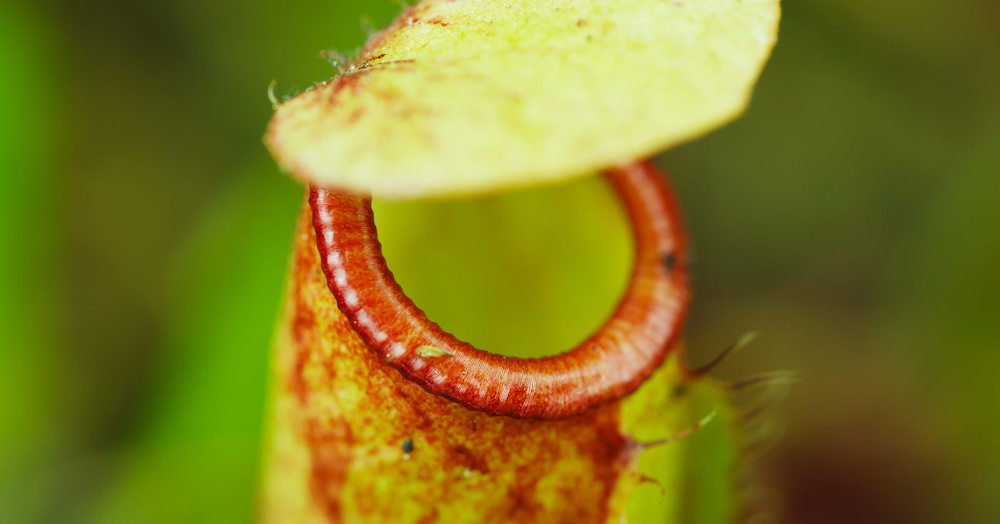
(379, 414)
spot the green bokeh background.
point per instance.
(852, 216)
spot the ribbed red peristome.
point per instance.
(609, 364)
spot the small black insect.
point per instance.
(408, 446)
(669, 261)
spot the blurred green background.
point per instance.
(852, 216)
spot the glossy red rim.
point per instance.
(609, 364)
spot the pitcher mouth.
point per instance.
(611, 363)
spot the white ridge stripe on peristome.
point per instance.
(351, 298)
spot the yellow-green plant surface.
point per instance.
(354, 441)
(473, 96)
(478, 97)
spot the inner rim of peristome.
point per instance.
(525, 273)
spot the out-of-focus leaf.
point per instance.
(949, 290)
(30, 376)
(209, 411)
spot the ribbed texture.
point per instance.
(609, 364)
